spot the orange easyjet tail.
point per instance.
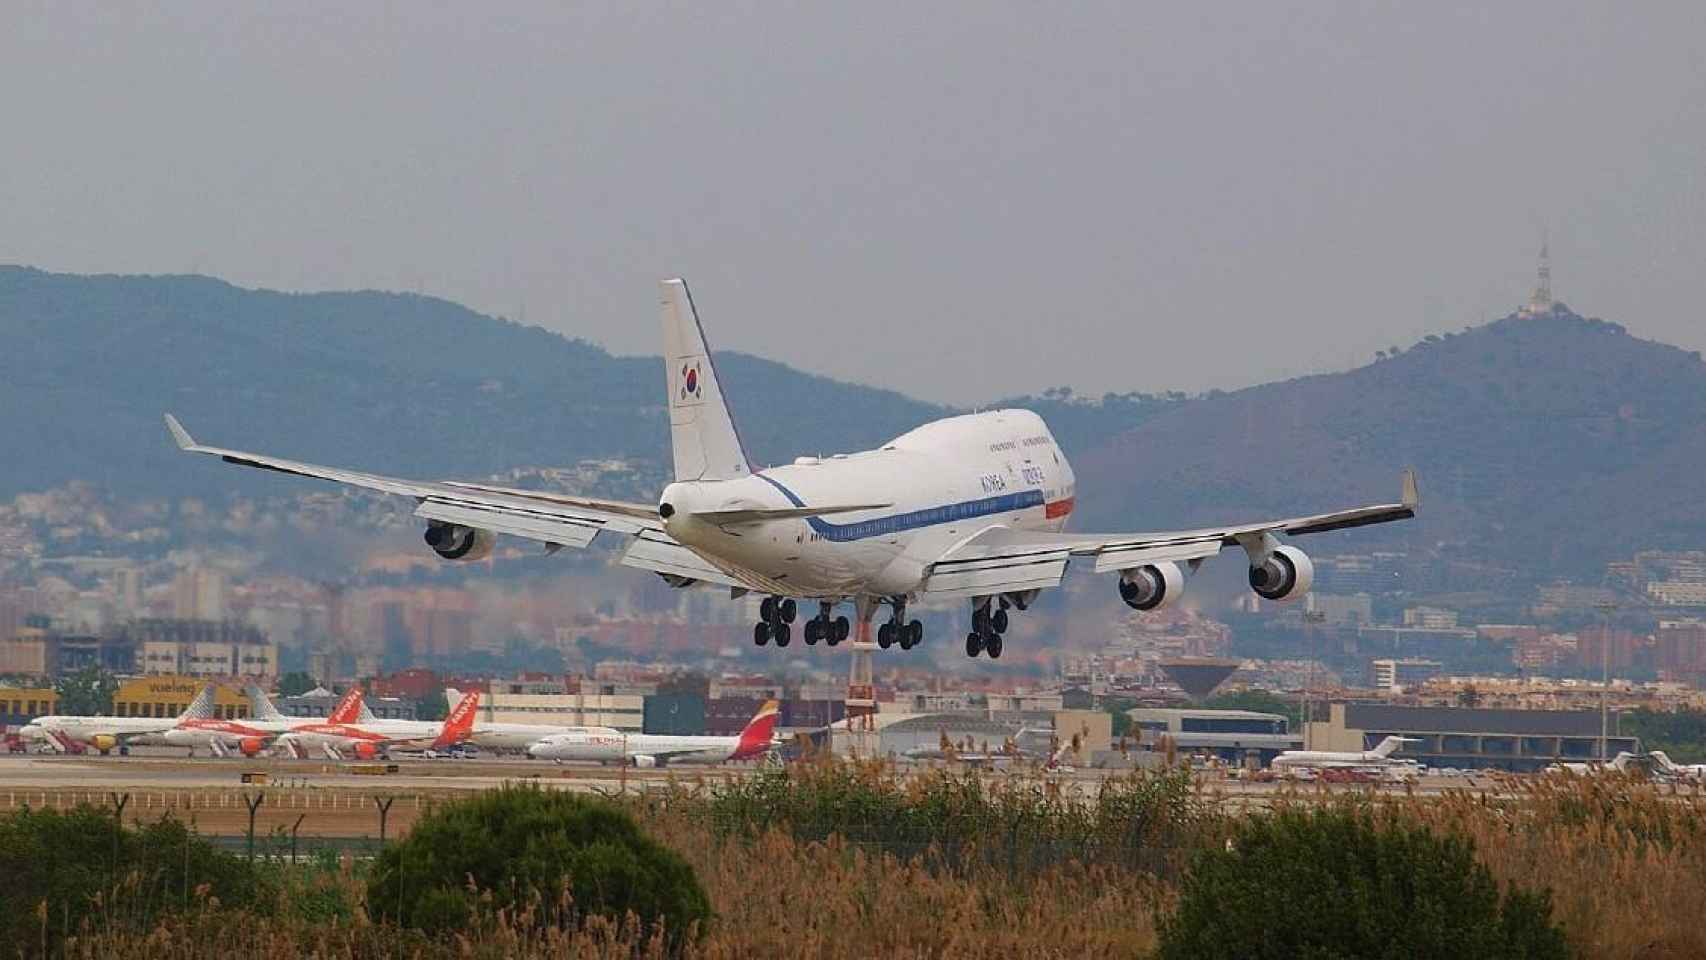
(459, 724)
(347, 709)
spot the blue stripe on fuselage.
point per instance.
(928, 517)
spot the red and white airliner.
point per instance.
(970, 507)
(253, 734)
(654, 750)
(366, 740)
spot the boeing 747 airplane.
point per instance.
(971, 507)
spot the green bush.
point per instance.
(1337, 883)
(546, 857)
(89, 870)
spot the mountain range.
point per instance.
(1553, 441)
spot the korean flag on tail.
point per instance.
(690, 382)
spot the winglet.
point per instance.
(179, 434)
(1411, 498)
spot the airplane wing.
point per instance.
(1004, 560)
(554, 519)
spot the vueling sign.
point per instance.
(185, 686)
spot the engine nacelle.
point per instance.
(1286, 575)
(642, 760)
(103, 742)
(453, 541)
(364, 750)
(1152, 586)
(251, 746)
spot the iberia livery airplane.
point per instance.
(971, 506)
(652, 750)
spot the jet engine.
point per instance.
(103, 742)
(1285, 575)
(1152, 586)
(364, 750)
(251, 746)
(644, 761)
(453, 541)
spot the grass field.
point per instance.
(843, 861)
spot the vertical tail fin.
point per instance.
(260, 705)
(755, 737)
(707, 446)
(201, 708)
(1388, 746)
(347, 709)
(459, 723)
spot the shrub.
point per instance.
(1338, 882)
(85, 867)
(545, 857)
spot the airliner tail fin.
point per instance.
(701, 430)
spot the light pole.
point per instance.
(1605, 607)
(1310, 619)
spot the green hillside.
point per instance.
(395, 382)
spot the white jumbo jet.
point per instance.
(970, 506)
(1380, 756)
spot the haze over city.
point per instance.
(1112, 197)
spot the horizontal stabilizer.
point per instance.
(759, 514)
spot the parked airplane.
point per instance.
(1380, 756)
(1671, 770)
(513, 736)
(969, 506)
(104, 733)
(1619, 764)
(366, 741)
(655, 750)
(252, 734)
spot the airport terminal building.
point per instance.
(1238, 737)
(1473, 739)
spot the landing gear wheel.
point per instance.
(980, 620)
(992, 645)
(813, 629)
(885, 635)
(843, 630)
(761, 633)
(974, 644)
(905, 640)
(915, 632)
(789, 610)
(767, 609)
(780, 631)
(999, 620)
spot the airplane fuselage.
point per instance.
(609, 746)
(944, 483)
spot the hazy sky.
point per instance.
(960, 200)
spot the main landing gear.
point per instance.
(821, 627)
(987, 626)
(774, 615)
(899, 630)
